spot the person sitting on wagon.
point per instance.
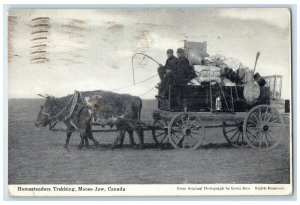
(164, 71)
(169, 66)
(182, 73)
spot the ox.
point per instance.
(77, 111)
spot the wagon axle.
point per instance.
(187, 131)
(265, 127)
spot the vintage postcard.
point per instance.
(149, 102)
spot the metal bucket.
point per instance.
(259, 79)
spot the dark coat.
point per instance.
(183, 71)
(171, 63)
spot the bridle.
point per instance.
(61, 115)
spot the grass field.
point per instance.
(37, 156)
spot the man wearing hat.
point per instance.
(182, 70)
(169, 66)
(165, 72)
(182, 73)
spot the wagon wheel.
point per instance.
(233, 133)
(160, 136)
(186, 131)
(263, 127)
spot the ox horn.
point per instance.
(43, 96)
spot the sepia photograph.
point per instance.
(149, 102)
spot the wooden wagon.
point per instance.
(184, 117)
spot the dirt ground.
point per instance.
(37, 156)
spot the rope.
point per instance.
(74, 103)
(135, 83)
(55, 116)
(147, 91)
(128, 86)
(133, 66)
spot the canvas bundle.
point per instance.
(206, 74)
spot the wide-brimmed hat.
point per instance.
(170, 51)
(180, 50)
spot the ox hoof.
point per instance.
(80, 147)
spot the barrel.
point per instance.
(251, 92)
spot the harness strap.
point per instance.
(58, 114)
(76, 99)
(73, 122)
(74, 103)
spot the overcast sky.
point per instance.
(92, 49)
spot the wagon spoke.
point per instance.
(177, 129)
(249, 135)
(242, 139)
(251, 123)
(160, 124)
(272, 136)
(266, 138)
(179, 132)
(274, 121)
(181, 140)
(193, 123)
(163, 139)
(270, 117)
(195, 133)
(165, 121)
(259, 144)
(182, 120)
(160, 134)
(257, 120)
(159, 131)
(192, 137)
(178, 125)
(237, 141)
(175, 135)
(256, 137)
(265, 116)
(260, 115)
(234, 135)
(254, 132)
(231, 130)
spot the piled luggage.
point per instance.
(206, 74)
(216, 68)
